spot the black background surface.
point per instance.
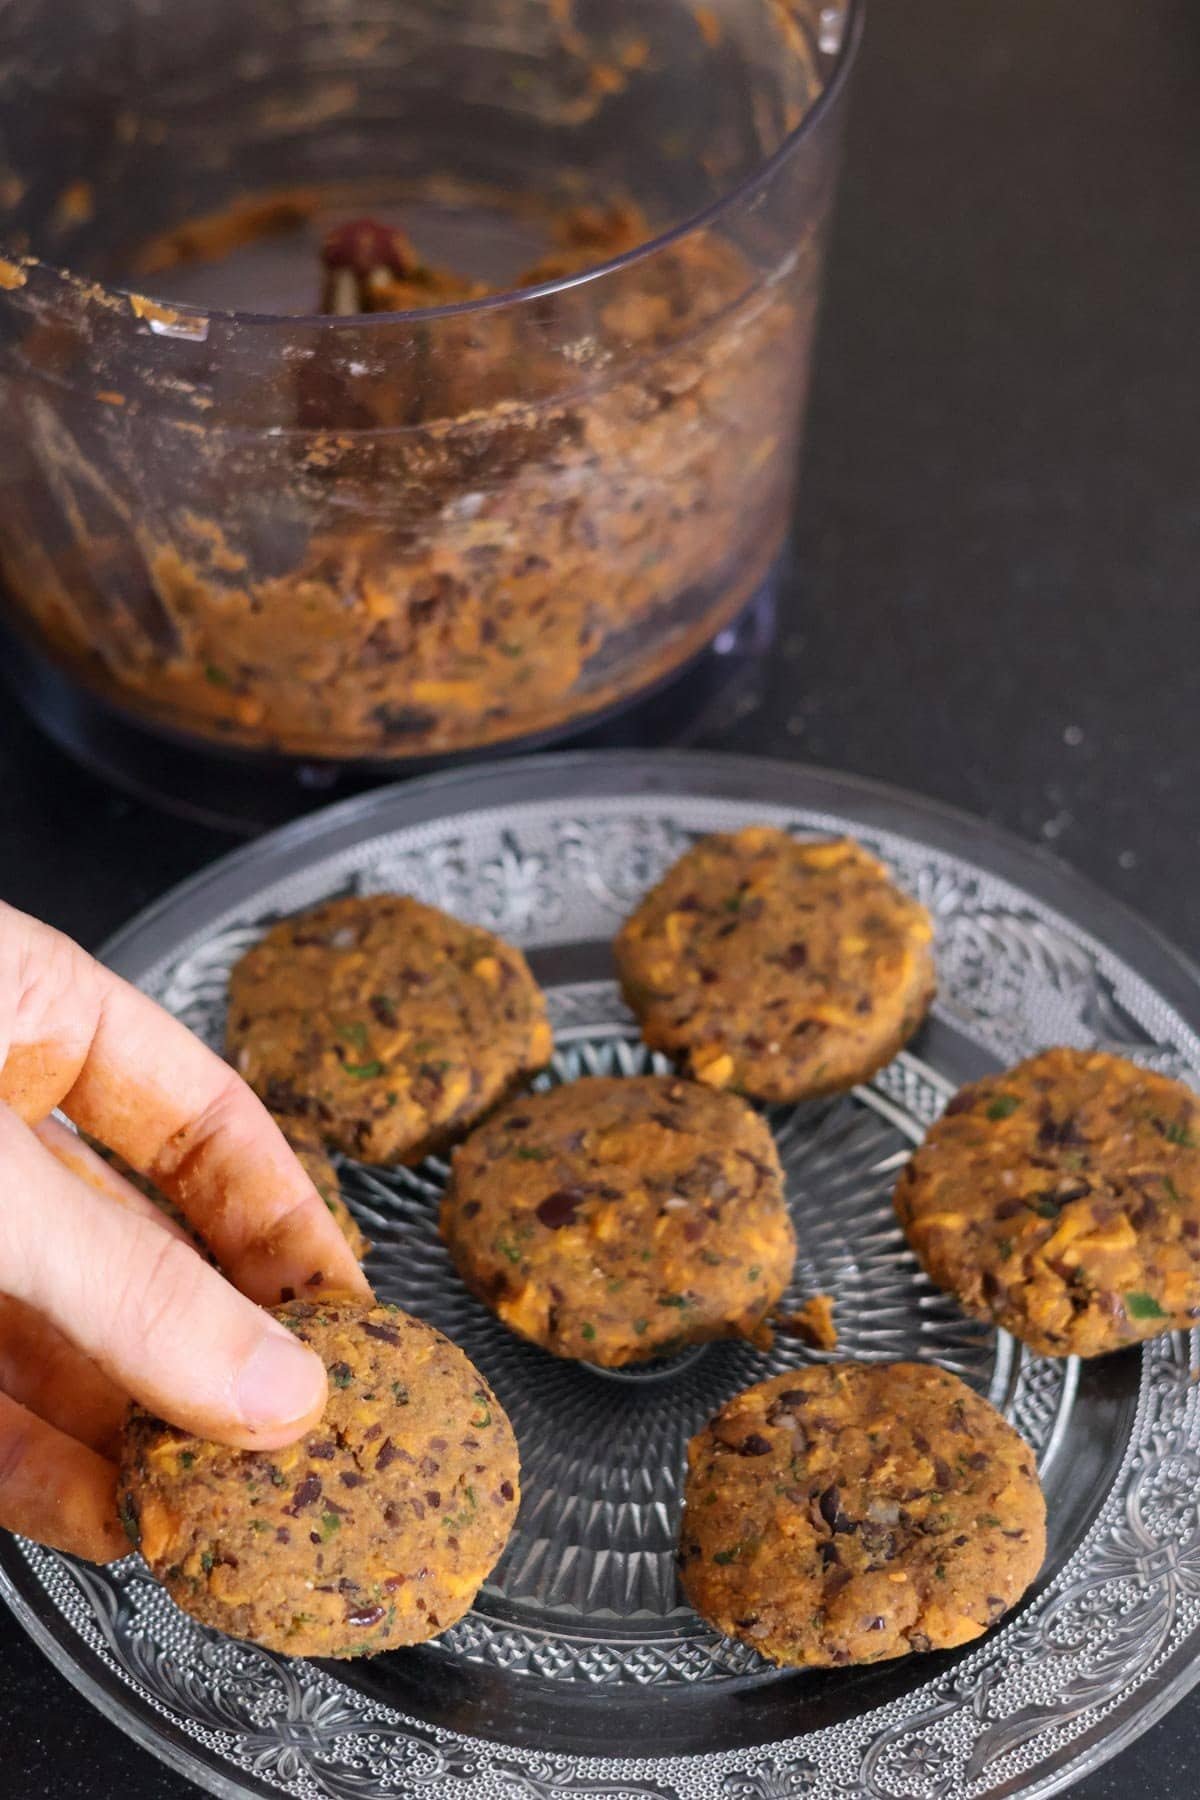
(994, 597)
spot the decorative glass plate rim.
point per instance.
(577, 779)
(636, 773)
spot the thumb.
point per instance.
(163, 1324)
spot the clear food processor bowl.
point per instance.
(371, 538)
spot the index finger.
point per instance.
(76, 1036)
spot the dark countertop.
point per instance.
(994, 595)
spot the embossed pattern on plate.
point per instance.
(584, 1604)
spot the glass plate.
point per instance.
(580, 1673)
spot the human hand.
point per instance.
(102, 1297)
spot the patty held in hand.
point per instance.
(781, 968)
(386, 1025)
(1062, 1201)
(376, 1529)
(855, 1512)
(615, 1220)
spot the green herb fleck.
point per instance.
(511, 1251)
(399, 1393)
(329, 1524)
(672, 1300)
(753, 1272)
(587, 1331)
(259, 1525)
(725, 1557)
(341, 1374)
(733, 904)
(1143, 1306)
(206, 1561)
(461, 1521)
(940, 1571)
(276, 1476)
(640, 1325)
(129, 1518)
(1004, 1248)
(217, 676)
(484, 1410)
(1175, 1133)
(1045, 1208)
(531, 1153)
(1003, 1106)
(1172, 1191)
(186, 1458)
(511, 649)
(363, 1071)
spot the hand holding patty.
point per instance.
(101, 1297)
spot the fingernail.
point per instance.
(280, 1381)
